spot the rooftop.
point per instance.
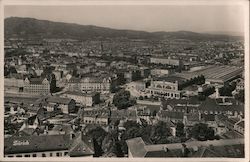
(28, 144)
(217, 148)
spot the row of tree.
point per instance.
(199, 80)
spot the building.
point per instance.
(165, 61)
(66, 105)
(99, 117)
(230, 148)
(86, 99)
(161, 72)
(13, 84)
(90, 84)
(170, 116)
(61, 145)
(166, 89)
(38, 86)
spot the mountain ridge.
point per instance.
(31, 27)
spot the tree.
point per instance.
(180, 129)
(120, 79)
(240, 96)
(98, 134)
(227, 89)
(122, 99)
(52, 79)
(202, 132)
(160, 133)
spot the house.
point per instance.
(66, 105)
(129, 114)
(99, 117)
(60, 145)
(86, 99)
(36, 86)
(90, 84)
(165, 88)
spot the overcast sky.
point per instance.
(149, 18)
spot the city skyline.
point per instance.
(219, 19)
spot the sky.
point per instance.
(196, 18)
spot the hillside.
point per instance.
(34, 28)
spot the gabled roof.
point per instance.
(215, 148)
(82, 146)
(36, 80)
(34, 143)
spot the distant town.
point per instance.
(123, 97)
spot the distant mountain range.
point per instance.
(34, 28)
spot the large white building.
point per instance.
(90, 84)
(165, 89)
(36, 86)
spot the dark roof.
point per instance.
(36, 143)
(212, 105)
(59, 100)
(172, 79)
(170, 114)
(193, 116)
(36, 80)
(208, 117)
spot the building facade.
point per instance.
(86, 99)
(36, 86)
(164, 89)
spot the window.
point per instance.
(65, 153)
(33, 155)
(10, 156)
(43, 155)
(51, 154)
(26, 155)
(19, 156)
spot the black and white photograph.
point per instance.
(125, 80)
